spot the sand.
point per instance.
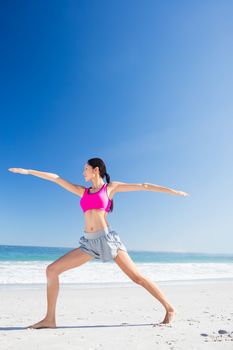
(119, 317)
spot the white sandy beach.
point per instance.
(120, 317)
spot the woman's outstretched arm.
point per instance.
(125, 187)
(76, 189)
(42, 174)
(157, 188)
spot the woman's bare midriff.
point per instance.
(95, 219)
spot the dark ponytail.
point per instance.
(98, 162)
(107, 177)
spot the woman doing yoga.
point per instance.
(99, 241)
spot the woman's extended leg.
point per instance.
(127, 265)
(70, 260)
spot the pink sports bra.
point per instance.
(97, 200)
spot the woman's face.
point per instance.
(88, 172)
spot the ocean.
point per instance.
(24, 265)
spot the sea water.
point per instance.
(27, 265)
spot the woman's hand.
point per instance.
(181, 193)
(19, 170)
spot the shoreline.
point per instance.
(114, 284)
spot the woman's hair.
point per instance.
(98, 162)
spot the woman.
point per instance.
(99, 240)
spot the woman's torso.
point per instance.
(96, 219)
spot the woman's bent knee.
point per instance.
(51, 270)
(139, 279)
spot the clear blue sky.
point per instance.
(144, 85)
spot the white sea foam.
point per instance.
(27, 272)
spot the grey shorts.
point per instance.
(102, 244)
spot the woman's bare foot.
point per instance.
(45, 323)
(168, 317)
